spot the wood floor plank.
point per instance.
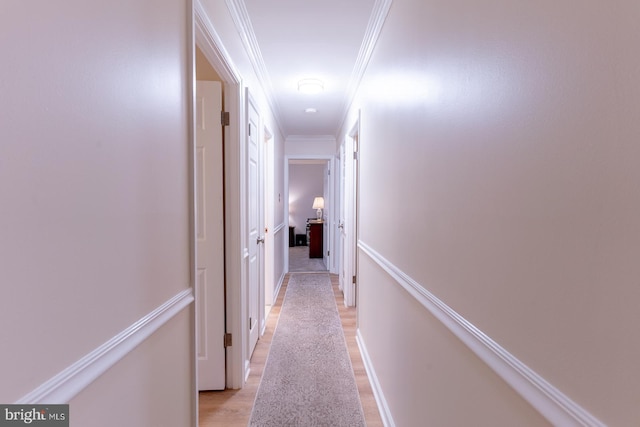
(233, 407)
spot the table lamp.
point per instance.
(318, 203)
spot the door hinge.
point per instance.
(355, 155)
(224, 118)
(250, 323)
(228, 341)
(328, 253)
(249, 129)
(354, 280)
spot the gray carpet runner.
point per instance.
(308, 379)
(299, 260)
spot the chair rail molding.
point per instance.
(62, 387)
(279, 228)
(550, 402)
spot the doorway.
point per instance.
(255, 225)
(310, 209)
(348, 215)
(209, 231)
(235, 317)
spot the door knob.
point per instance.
(260, 240)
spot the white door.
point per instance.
(210, 308)
(353, 217)
(349, 219)
(328, 218)
(255, 217)
(341, 222)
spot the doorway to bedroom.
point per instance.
(308, 219)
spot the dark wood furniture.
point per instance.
(292, 236)
(316, 237)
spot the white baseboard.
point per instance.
(550, 402)
(61, 388)
(247, 370)
(278, 286)
(383, 408)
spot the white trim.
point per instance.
(68, 383)
(555, 406)
(247, 369)
(193, 241)
(212, 47)
(241, 19)
(351, 200)
(328, 159)
(383, 408)
(269, 167)
(374, 28)
(277, 291)
(278, 228)
(247, 349)
(242, 22)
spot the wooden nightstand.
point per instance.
(316, 237)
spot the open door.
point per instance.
(348, 224)
(342, 231)
(255, 219)
(210, 306)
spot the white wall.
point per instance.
(304, 146)
(94, 218)
(503, 140)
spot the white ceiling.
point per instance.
(299, 39)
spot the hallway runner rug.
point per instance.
(308, 379)
(299, 260)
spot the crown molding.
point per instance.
(211, 45)
(241, 20)
(374, 28)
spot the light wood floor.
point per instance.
(233, 407)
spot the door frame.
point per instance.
(350, 198)
(330, 211)
(212, 195)
(209, 42)
(268, 296)
(252, 105)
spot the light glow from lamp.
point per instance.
(310, 86)
(318, 203)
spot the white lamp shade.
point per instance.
(318, 203)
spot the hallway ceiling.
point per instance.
(307, 39)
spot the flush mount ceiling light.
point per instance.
(310, 110)
(310, 86)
